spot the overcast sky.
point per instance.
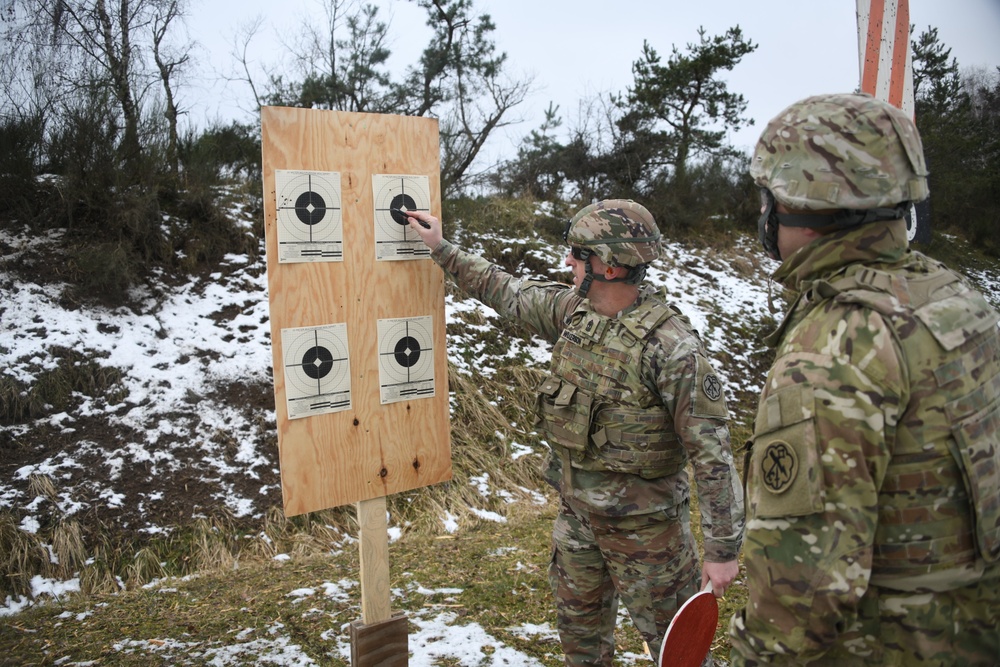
(581, 48)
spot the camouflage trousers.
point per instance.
(649, 561)
(957, 628)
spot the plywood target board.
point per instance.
(356, 305)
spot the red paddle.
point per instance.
(689, 635)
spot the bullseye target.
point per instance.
(309, 216)
(393, 196)
(317, 370)
(406, 358)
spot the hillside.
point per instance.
(138, 445)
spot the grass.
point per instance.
(500, 589)
(219, 589)
(250, 597)
(53, 389)
(235, 593)
(499, 569)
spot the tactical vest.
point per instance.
(939, 505)
(597, 412)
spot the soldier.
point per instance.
(630, 400)
(873, 482)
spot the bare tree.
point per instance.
(465, 130)
(108, 45)
(35, 65)
(169, 63)
(246, 32)
(460, 77)
(105, 34)
(462, 72)
(343, 65)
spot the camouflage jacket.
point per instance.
(671, 363)
(873, 461)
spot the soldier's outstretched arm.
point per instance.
(542, 306)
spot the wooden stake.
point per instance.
(380, 639)
(373, 532)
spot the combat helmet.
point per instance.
(618, 231)
(851, 153)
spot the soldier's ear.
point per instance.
(614, 272)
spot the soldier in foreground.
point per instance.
(873, 483)
(631, 398)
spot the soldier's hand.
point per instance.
(426, 226)
(720, 574)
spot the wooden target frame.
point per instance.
(370, 449)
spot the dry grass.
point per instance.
(22, 555)
(53, 389)
(500, 589)
(68, 545)
(500, 569)
(240, 587)
(482, 431)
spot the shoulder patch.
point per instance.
(712, 386)
(709, 399)
(779, 466)
(784, 476)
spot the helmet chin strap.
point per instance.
(588, 279)
(844, 219)
(589, 276)
(633, 277)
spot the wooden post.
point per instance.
(374, 537)
(381, 645)
(380, 639)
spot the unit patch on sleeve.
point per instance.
(779, 465)
(712, 387)
(709, 398)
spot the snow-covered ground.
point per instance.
(171, 422)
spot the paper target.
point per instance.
(405, 359)
(394, 240)
(317, 370)
(310, 225)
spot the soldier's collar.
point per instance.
(883, 242)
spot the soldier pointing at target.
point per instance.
(630, 400)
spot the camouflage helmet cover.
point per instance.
(619, 231)
(844, 151)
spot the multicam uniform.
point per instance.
(874, 481)
(630, 400)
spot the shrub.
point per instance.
(21, 148)
(221, 152)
